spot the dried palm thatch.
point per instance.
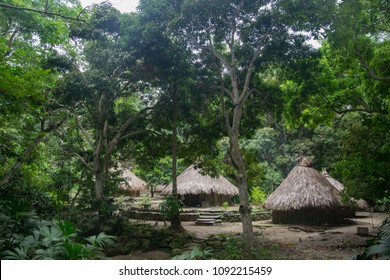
(304, 197)
(196, 187)
(333, 181)
(131, 184)
(159, 188)
(360, 204)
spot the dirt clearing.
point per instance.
(306, 242)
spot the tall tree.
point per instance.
(165, 63)
(350, 78)
(109, 111)
(34, 50)
(238, 38)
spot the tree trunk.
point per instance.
(175, 220)
(99, 182)
(242, 180)
(99, 168)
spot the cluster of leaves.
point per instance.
(195, 254)
(379, 248)
(24, 235)
(170, 207)
(384, 203)
(158, 171)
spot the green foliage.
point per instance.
(379, 248)
(229, 247)
(364, 168)
(158, 171)
(145, 199)
(257, 196)
(56, 240)
(195, 254)
(383, 204)
(225, 205)
(170, 207)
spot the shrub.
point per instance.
(170, 207)
(25, 236)
(379, 248)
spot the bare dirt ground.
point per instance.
(296, 242)
(305, 242)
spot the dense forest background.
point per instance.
(241, 88)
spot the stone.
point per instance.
(363, 231)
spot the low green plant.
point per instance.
(195, 254)
(225, 205)
(170, 207)
(384, 202)
(379, 248)
(257, 196)
(145, 199)
(57, 240)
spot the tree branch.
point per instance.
(84, 132)
(119, 135)
(83, 161)
(131, 134)
(26, 153)
(370, 72)
(245, 92)
(41, 12)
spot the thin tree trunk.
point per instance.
(175, 220)
(99, 185)
(99, 168)
(242, 179)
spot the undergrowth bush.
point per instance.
(230, 247)
(378, 248)
(23, 235)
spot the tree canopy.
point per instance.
(234, 86)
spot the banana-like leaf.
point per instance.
(380, 250)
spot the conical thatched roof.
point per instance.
(333, 181)
(191, 181)
(303, 188)
(359, 204)
(130, 182)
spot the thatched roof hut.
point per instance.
(333, 181)
(304, 197)
(130, 184)
(197, 189)
(359, 204)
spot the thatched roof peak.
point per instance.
(304, 161)
(191, 181)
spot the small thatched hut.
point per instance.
(333, 181)
(359, 204)
(197, 189)
(304, 197)
(130, 184)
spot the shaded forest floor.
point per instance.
(289, 241)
